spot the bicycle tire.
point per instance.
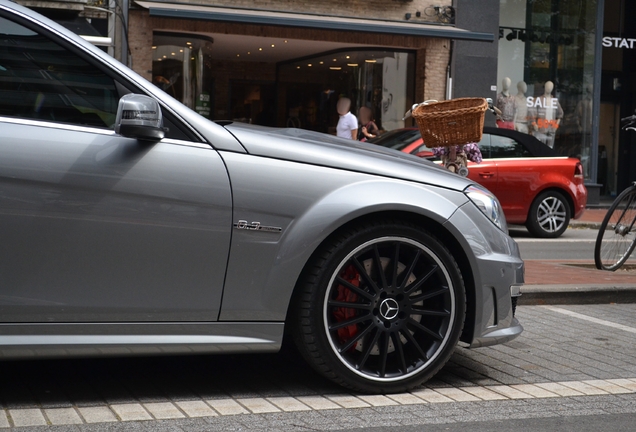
(616, 237)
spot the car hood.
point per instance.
(327, 150)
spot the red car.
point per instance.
(536, 187)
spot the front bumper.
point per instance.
(497, 273)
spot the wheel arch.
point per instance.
(566, 193)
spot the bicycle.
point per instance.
(616, 237)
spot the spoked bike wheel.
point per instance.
(617, 236)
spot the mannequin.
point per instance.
(584, 122)
(547, 115)
(506, 104)
(521, 108)
(584, 111)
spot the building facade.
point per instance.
(285, 63)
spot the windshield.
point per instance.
(397, 139)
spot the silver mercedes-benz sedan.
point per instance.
(130, 225)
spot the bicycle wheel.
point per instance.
(617, 236)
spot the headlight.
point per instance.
(488, 204)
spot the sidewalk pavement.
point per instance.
(577, 281)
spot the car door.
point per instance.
(517, 176)
(485, 173)
(96, 227)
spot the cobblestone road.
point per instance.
(571, 360)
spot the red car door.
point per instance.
(485, 173)
(517, 175)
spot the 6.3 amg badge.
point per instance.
(255, 226)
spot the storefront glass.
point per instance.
(546, 72)
(308, 89)
(181, 67)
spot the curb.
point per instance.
(534, 295)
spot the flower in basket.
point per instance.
(471, 150)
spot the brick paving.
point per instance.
(581, 356)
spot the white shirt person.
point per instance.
(348, 123)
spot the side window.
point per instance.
(40, 80)
(504, 147)
(484, 146)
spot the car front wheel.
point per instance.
(549, 215)
(380, 308)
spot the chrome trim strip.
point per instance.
(186, 143)
(34, 340)
(63, 126)
(88, 129)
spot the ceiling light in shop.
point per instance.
(248, 53)
(371, 60)
(154, 47)
(164, 56)
(335, 59)
(180, 50)
(309, 64)
(171, 53)
(297, 67)
(322, 62)
(273, 45)
(260, 49)
(285, 41)
(348, 57)
(188, 43)
(352, 64)
(335, 68)
(238, 55)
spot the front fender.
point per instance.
(308, 203)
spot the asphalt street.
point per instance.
(572, 364)
(574, 244)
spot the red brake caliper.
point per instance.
(351, 275)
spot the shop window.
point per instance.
(380, 80)
(546, 72)
(181, 67)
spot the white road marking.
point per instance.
(591, 319)
(538, 240)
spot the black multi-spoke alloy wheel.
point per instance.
(549, 215)
(380, 308)
(616, 238)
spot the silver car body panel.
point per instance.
(106, 228)
(309, 203)
(98, 340)
(131, 241)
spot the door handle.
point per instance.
(486, 174)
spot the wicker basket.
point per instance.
(451, 122)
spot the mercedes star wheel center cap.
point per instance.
(389, 308)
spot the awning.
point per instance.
(408, 28)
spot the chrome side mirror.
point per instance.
(139, 116)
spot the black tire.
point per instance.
(380, 307)
(616, 237)
(549, 215)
